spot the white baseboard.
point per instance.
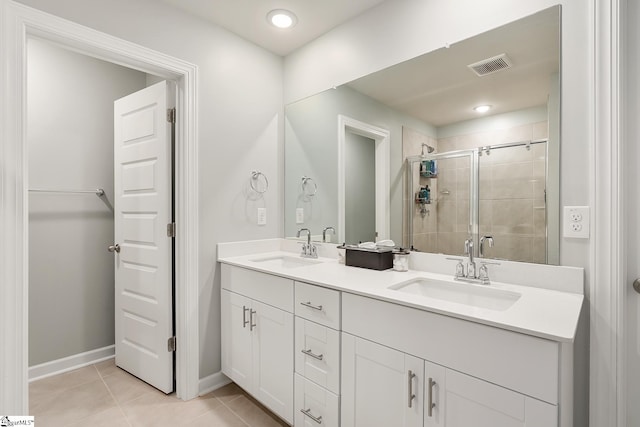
(212, 382)
(70, 363)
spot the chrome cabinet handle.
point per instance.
(251, 324)
(636, 285)
(315, 307)
(411, 396)
(430, 404)
(310, 353)
(114, 248)
(245, 322)
(307, 412)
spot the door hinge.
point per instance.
(171, 344)
(171, 229)
(171, 115)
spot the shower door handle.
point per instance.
(114, 248)
(636, 285)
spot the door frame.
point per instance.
(382, 138)
(607, 373)
(18, 23)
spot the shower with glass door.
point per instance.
(497, 192)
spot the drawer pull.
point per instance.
(251, 324)
(430, 404)
(411, 396)
(307, 412)
(310, 353)
(245, 322)
(315, 307)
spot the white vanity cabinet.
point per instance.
(257, 336)
(323, 356)
(396, 361)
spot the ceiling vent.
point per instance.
(491, 65)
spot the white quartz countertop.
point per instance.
(539, 312)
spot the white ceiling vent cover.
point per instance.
(491, 65)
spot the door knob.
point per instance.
(636, 285)
(114, 248)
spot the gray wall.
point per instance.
(70, 139)
(360, 188)
(240, 128)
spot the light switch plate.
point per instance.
(299, 215)
(262, 216)
(576, 222)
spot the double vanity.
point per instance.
(324, 344)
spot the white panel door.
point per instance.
(462, 401)
(237, 353)
(273, 358)
(143, 265)
(381, 387)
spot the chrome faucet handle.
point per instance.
(459, 266)
(483, 272)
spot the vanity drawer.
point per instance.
(314, 405)
(317, 350)
(267, 288)
(318, 304)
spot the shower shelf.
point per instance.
(428, 175)
(423, 201)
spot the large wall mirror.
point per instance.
(359, 157)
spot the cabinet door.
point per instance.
(381, 387)
(463, 401)
(434, 384)
(236, 338)
(273, 359)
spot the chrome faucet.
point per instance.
(489, 240)
(473, 275)
(309, 250)
(324, 233)
(471, 264)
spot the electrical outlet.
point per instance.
(576, 222)
(299, 215)
(262, 216)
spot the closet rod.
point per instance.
(98, 191)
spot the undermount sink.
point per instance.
(461, 293)
(287, 261)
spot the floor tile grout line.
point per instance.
(232, 411)
(114, 398)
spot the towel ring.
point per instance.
(255, 176)
(307, 190)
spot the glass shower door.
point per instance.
(512, 205)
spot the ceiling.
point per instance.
(248, 18)
(439, 88)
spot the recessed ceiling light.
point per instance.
(482, 108)
(282, 18)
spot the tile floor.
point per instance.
(105, 395)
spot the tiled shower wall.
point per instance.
(512, 184)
